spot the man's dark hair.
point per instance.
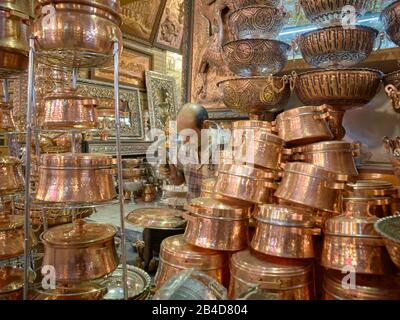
(201, 117)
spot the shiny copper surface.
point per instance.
(237, 4)
(156, 218)
(131, 163)
(21, 6)
(207, 187)
(389, 229)
(11, 283)
(81, 292)
(12, 180)
(389, 18)
(7, 123)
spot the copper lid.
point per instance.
(79, 233)
(176, 251)
(296, 112)
(368, 287)
(327, 146)
(284, 216)
(11, 222)
(269, 272)
(76, 160)
(216, 209)
(348, 225)
(156, 218)
(247, 172)
(314, 171)
(11, 279)
(5, 161)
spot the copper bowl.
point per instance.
(7, 123)
(337, 47)
(237, 4)
(79, 34)
(12, 179)
(389, 18)
(280, 279)
(341, 89)
(330, 12)
(256, 57)
(367, 287)
(304, 125)
(215, 225)
(70, 178)
(68, 110)
(388, 228)
(286, 232)
(351, 241)
(177, 255)
(255, 94)
(257, 22)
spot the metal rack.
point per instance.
(30, 131)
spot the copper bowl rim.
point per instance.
(238, 79)
(265, 7)
(322, 71)
(356, 27)
(281, 43)
(388, 8)
(384, 234)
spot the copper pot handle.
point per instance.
(293, 78)
(334, 185)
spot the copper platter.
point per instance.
(157, 218)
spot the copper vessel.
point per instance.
(131, 173)
(207, 187)
(131, 163)
(378, 172)
(304, 125)
(281, 279)
(11, 283)
(392, 87)
(80, 251)
(12, 180)
(237, 4)
(68, 110)
(56, 142)
(389, 228)
(367, 287)
(177, 255)
(335, 156)
(312, 186)
(255, 94)
(215, 225)
(7, 123)
(337, 47)
(70, 178)
(330, 12)
(79, 33)
(21, 6)
(255, 57)
(244, 184)
(76, 292)
(389, 18)
(341, 89)
(156, 218)
(350, 240)
(257, 22)
(12, 236)
(285, 231)
(244, 131)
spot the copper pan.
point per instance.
(215, 225)
(12, 180)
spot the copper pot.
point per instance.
(244, 184)
(312, 186)
(7, 123)
(350, 240)
(177, 255)
(12, 180)
(131, 163)
(68, 110)
(241, 129)
(11, 283)
(215, 225)
(237, 4)
(21, 6)
(14, 47)
(56, 143)
(335, 156)
(207, 187)
(76, 178)
(281, 279)
(389, 18)
(131, 173)
(255, 94)
(367, 287)
(285, 232)
(389, 228)
(79, 33)
(341, 89)
(157, 218)
(304, 125)
(12, 236)
(337, 46)
(80, 251)
(378, 173)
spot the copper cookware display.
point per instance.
(285, 231)
(157, 218)
(80, 251)
(7, 123)
(12, 180)
(177, 255)
(389, 18)
(335, 156)
(79, 33)
(312, 186)
(12, 236)
(350, 240)
(76, 178)
(241, 183)
(11, 283)
(255, 94)
(284, 279)
(304, 125)
(215, 225)
(338, 47)
(367, 287)
(68, 110)
(389, 228)
(330, 12)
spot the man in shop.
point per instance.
(191, 167)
